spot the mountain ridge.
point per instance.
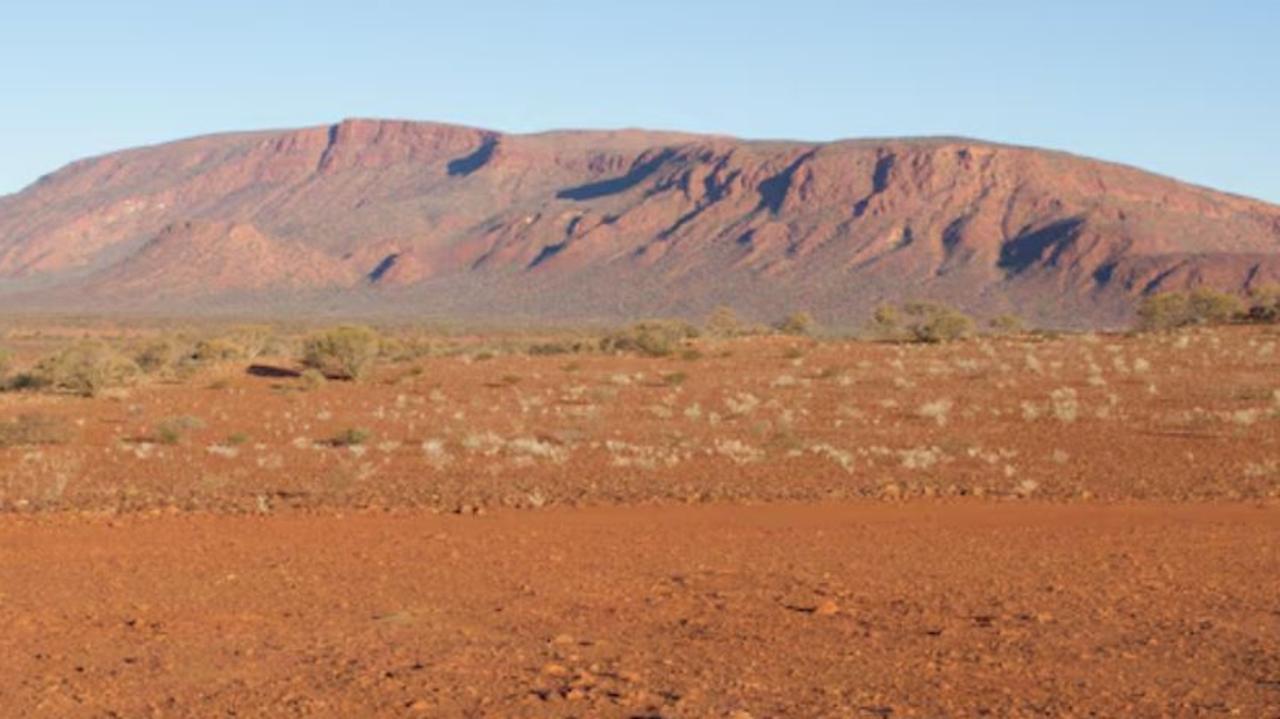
(409, 217)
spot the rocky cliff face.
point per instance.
(431, 220)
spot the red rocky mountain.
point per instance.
(372, 217)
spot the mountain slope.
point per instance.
(383, 217)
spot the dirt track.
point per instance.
(921, 609)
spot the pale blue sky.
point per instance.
(1190, 89)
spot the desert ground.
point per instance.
(1027, 524)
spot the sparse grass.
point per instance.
(674, 379)
(350, 437)
(28, 430)
(172, 430)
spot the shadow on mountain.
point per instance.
(637, 174)
(1029, 248)
(464, 166)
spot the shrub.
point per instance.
(6, 362)
(170, 430)
(312, 379)
(886, 322)
(653, 338)
(350, 437)
(799, 323)
(346, 352)
(34, 429)
(218, 349)
(1006, 324)
(157, 355)
(1209, 306)
(931, 322)
(1264, 305)
(86, 369)
(723, 322)
(1171, 310)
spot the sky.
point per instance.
(1188, 89)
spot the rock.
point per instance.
(826, 608)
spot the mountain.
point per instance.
(374, 217)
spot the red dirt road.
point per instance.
(857, 610)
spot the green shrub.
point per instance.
(934, 323)
(652, 338)
(723, 322)
(346, 352)
(171, 430)
(799, 323)
(85, 368)
(1203, 306)
(1209, 306)
(350, 437)
(1264, 305)
(886, 323)
(920, 322)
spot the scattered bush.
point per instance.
(1203, 306)
(350, 437)
(933, 323)
(886, 323)
(158, 355)
(799, 323)
(34, 429)
(346, 352)
(217, 349)
(170, 430)
(1264, 305)
(1006, 324)
(723, 322)
(312, 379)
(653, 338)
(674, 379)
(86, 369)
(929, 322)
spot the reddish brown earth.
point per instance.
(835, 610)
(382, 217)
(1083, 525)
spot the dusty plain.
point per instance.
(1082, 525)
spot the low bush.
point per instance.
(1006, 325)
(171, 430)
(346, 352)
(158, 355)
(86, 368)
(1264, 305)
(652, 338)
(351, 437)
(6, 363)
(799, 324)
(929, 322)
(1202, 306)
